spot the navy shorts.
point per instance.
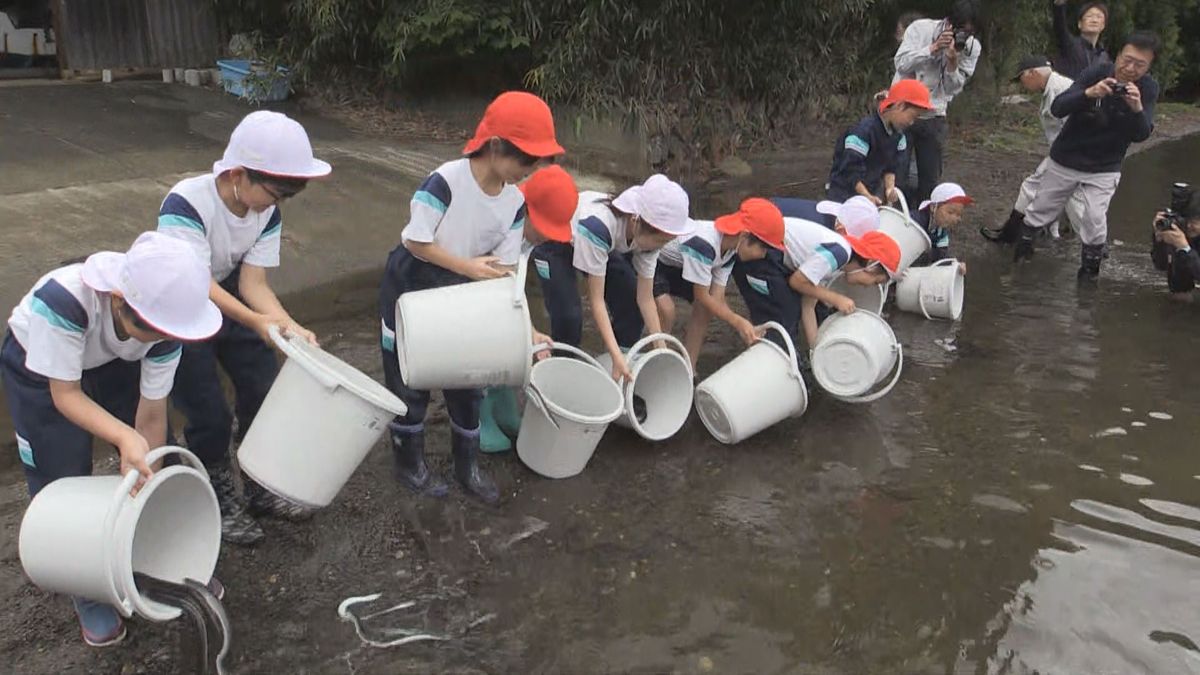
(668, 280)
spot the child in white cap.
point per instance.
(231, 218)
(940, 214)
(92, 351)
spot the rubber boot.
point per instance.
(1009, 232)
(408, 451)
(237, 525)
(1090, 258)
(492, 438)
(1024, 248)
(465, 448)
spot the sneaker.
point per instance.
(238, 527)
(263, 502)
(100, 624)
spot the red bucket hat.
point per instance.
(912, 92)
(879, 247)
(521, 119)
(550, 202)
(757, 216)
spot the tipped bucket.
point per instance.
(937, 291)
(759, 388)
(867, 298)
(658, 399)
(911, 237)
(854, 354)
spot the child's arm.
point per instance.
(151, 421)
(801, 284)
(712, 300)
(647, 306)
(253, 286)
(595, 286)
(478, 269)
(808, 319)
(86, 414)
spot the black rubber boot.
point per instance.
(408, 451)
(465, 448)
(1090, 258)
(1009, 232)
(1024, 248)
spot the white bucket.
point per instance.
(662, 378)
(867, 298)
(466, 336)
(316, 425)
(85, 536)
(854, 354)
(568, 406)
(756, 390)
(911, 237)
(936, 291)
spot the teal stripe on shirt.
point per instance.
(591, 236)
(172, 220)
(829, 257)
(272, 231)
(429, 200)
(168, 357)
(693, 253)
(858, 145)
(42, 309)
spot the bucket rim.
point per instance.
(638, 364)
(571, 415)
(304, 354)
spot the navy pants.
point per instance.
(668, 280)
(764, 288)
(554, 263)
(50, 445)
(251, 366)
(405, 273)
(928, 140)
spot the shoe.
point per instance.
(100, 624)
(492, 438)
(1024, 248)
(1090, 258)
(237, 525)
(216, 588)
(1008, 233)
(639, 409)
(465, 448)
(262, 502)
(408, 453)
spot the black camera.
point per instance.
(1177, 214)
(960, 40)
(1119, 90)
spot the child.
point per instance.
(786, 288)
(868, 156)
(80, 347)
(550, 200)
(939, 214)
(856, 216)
(231, 218)
(697, 269)
(466, 223)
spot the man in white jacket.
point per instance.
(942, 54)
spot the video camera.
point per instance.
(1177, 214)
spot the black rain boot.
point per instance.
(408, 451)
(465, 448)
(237, 525)
(1024, 248)
(1008, 233)
(1090, 258)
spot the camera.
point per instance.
(1176, 214)
(960, 40)
(1119, 90)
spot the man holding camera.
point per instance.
(1109, 107)
(1176, 237)
(942, 54)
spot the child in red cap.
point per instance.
(697, 269)
(467, 223)
(786, 287)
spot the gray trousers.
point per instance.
(1059, 185)
(1029, 190)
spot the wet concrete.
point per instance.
(983, 518)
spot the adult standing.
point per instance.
(942, 54)
(1078, 52)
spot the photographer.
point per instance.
(1077, 52)
(1175, 241)
(1108, 108)
(942, 54)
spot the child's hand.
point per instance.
(542, 339)
(747, 331)
(962, 269)
(483, 268)
(620, 369)
(133, 449)
(844, 305)
(290, 327)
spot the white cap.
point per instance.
(163, 280)
(661, 202)
(273, 143)
(857, 214)
(951, 193)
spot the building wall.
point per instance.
(97, 34)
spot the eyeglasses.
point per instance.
(1131, 62)
(277, 197)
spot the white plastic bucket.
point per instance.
(85, 536)
(662, 379)
(568, 406)
(936, 291)
(854, 354)
(761, 387)
(911, 237)
(466, 336)
(318, 422)
(867, 298)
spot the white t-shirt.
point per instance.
(598, 233)
(1052, 125)
(700, 256)
(193, 211)
(813, 249)
(451, 210)
(67, 328)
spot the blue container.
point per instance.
(252, 80)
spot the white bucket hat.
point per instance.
(661, 202)
(272, 143)
(163, 280)
(947, 193)
(857, 214)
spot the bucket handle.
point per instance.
(563, 347)
(921, 296)
(665, 337)
(868, 398)
(522, 272)
(532, 394)
(791, 348)
(122, 493)
(903, 204)
(292, 352)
